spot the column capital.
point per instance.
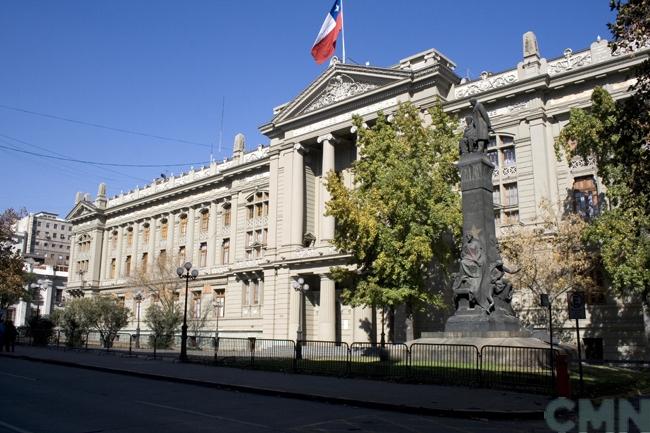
(354, 129)
(326, 137)
(298, 147)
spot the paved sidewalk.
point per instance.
(411, 398)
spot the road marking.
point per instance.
(18, 376)
(207, 415)
(13, 428)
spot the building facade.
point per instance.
(44, 238)
(254, 224)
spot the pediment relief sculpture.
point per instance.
(338, 88)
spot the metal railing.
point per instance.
(504, 367)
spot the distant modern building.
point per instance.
(254, 225)
(44, 238)
(47, 289)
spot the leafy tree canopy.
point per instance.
(617, 135)
(13, 279)
(398, 219)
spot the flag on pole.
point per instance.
(325, 43)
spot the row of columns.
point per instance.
(327, 310)
(152, 248)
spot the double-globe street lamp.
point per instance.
(184, 272)
(138, 298)
(300, 286)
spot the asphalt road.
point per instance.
(37, 397)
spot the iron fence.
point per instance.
(323, 357)
(457, 364)
(372, 360)
(505, 367)
(510, 367)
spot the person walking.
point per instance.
(2, 334)
(10, 336)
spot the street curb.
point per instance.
(369, 404)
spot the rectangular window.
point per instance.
(62, 236)
(181, 256)
(164, 230)
(112, 273)
(494, 158)
(509, 156)
(251, 293)
(265, 236)
(203, 254)
(226, 216)
(496, 196)
(250, 212)
(249, 238)
(38, 224)
(219, 302)
(225, 251)
(182, 225)
(196, 305)
(47, 225)
(585, 197)
(162, 257)
(205, 221)
(511, 197)
(55, 226)
(129, 238)
(114, 240)
(511, 217)
(145, 233)
(127, 266)
(144, 262)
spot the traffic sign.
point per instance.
(576, 302)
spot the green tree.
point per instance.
(107, 316)
(617, 135)
(13, 279)
(74, 320)
(398, 221)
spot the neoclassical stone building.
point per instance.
(254, 223)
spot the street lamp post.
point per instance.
(217, 307)
(546, 301)
(300, 286)
(184, 272)
(138, 298)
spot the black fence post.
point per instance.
(87, 338)
(348, 363)
(251, 349)
(58, 338)
(155, 345)
(479, 366)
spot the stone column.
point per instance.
(212, 235)
(234, 223)
(171, 220)
(153, 253)
(190, 245)
(327, 310)
(327, 222)
(134, 253)
(105, 261)
(118, 255)
(297, 208)
(72, 263)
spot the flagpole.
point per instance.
(343, 31)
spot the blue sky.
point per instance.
(163, 67)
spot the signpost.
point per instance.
(576, 301)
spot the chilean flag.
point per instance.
(325, 43)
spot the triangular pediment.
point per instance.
(81, 209)
(338, 84)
